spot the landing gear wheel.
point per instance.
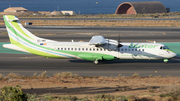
(165, 61)
(96, 62)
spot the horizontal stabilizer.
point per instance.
(11, 46)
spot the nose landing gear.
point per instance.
(165, 60)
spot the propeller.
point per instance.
(119, 43)
(108, 44)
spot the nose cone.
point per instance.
(173, 54)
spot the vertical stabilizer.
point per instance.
(17, 33)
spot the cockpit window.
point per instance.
(164, 47)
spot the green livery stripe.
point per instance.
(15, 24)
(9, 26)
(169, 50)
(11, 17)
(36, 52)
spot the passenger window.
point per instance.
(132, 49)
(82, 49)
(79, 48)
(135, 49)
(129, 50)
(64, 48)
(121, 49)
(68, 48)
(93, 49)
(125, 49)
(89, 49)
(86, 49)
(75, 48)
(143, 50)
(97, 49)
(71, 48)
(58, 48)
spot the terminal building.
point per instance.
(141, 7)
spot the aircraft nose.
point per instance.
(173, 54)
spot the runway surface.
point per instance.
(27, 64)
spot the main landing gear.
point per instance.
(96, 62)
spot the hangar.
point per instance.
(141, 7)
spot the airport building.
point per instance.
(141, 7)
(68, 12)
(56, 13)
(15, 9)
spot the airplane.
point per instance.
(96, 50)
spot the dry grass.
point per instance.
(13, 75)
(135, 75)
(94, 87)
(65, 75)
(101, 88)
(1, 76)
(35, 75)
(43, 74)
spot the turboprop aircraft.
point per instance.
(97, 49)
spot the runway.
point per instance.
(103, 28)
(127, 34)
(27, 64)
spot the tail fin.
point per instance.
(17, 33)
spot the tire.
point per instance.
(96, 62)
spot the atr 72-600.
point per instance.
(97, 49)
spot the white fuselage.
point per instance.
(128, 51)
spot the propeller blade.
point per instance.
(108, 44)
(119, 45)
